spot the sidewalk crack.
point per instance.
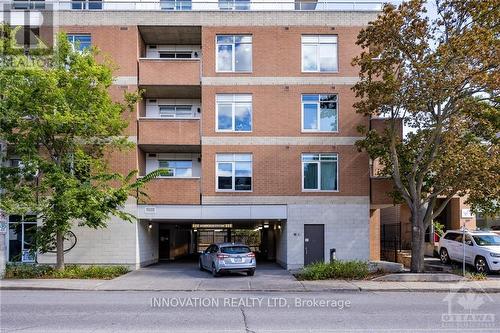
(247, 330)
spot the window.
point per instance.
(234, 53)
(177, 168)
(234, 113)
(487, 240)
(319, 113)
(176, 111)
(175, 4)
(234, 4)
(319, 53)
(24, 4)
(320, 172)
(21, 235)
(234, 172)
(175, 55)
(80, 42)
(86, 4)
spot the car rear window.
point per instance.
(235, 249)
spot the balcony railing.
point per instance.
(156, 131)
(204, 5)
(182, 72)
(172, 191)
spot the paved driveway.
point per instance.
(187, 276)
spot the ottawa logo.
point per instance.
(464, 307)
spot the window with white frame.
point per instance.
(234, 53)
(319, 53)
(319, 113)
(177, 168)
(234, 113)
(234, 172)
(176, 111)
(80, 42)
(320, 172)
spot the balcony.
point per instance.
(157, 135)
(379, 192)
(206, 5)
(169, 72)
(172, 191)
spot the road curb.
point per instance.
(330, 290)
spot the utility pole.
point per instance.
(463, 248)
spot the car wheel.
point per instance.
(443, 255)
(214, 271)
(481, 265)
(251, 272)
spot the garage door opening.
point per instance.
(181, 241)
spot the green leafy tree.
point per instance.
(58, 118)
(440, 77)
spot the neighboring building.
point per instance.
(250, 108)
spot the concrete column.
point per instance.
(374, 234)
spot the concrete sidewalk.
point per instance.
(233, 283)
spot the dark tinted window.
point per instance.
(450, 236)
(235, 249)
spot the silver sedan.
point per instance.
(228, 257)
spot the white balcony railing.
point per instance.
(195, 5)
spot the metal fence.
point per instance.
(390, 241)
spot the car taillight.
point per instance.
(222, 256)
(251, 255)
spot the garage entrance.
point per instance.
(178, 241)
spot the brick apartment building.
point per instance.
(249, 106)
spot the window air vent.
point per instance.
(152, 101)
(152, 46)
(150, 210)
(151, 155)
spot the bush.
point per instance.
(349, 270)
(31, 271)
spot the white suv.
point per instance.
(482, 249)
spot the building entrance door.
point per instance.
(314, 243)
(164, 244)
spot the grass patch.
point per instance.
(470, 274)
(29, 271)
(339, 269)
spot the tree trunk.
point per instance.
(417, 240)
(60, 251)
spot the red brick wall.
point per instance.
(169, 72)
(169, 132)
(277, 51)
(173, 191)
(121, 45)
(277, 170)
(277, 111)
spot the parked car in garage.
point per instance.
(228, 257)
(482, 249)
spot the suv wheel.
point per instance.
(481, 265)
(443, 255)
(214, 271)
(251, 272)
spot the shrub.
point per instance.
(27, 271)
(32, 271)
(338, 269)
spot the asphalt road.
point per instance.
(100, 311)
